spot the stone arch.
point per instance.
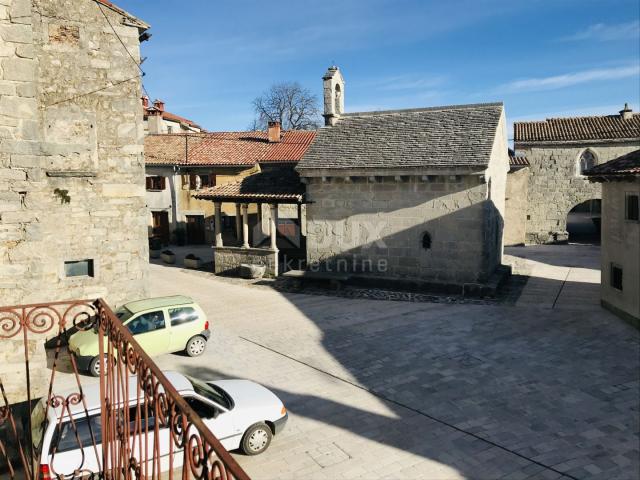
(587, 159)
(338, 99)
(583, 221)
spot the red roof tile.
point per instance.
(226, 148)
(172, 117)
(518, 161)
(610, 127)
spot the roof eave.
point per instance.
(130, 20)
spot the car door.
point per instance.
(150, 331)
(219, 420)
(184, 325)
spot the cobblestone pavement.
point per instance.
(380, 389)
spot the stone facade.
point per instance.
(227, 259)
(516, 206)
(71, 163)
(555, 186)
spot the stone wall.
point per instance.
(71, 163)
(515, 218)
(555, 187)
(620, 246)
(376, 226)
(227, 260)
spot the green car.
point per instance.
(160, 325)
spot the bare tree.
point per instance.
(296, 108)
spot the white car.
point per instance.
(240, 413)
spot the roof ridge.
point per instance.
(425, 109)
(614, 115)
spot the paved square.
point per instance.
(379, 389)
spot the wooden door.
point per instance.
(195, 229)
(161, 226)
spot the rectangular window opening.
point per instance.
(616, 276)
(79, 268)
(156, 182)
(632, 207)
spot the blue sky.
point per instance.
(209, 59)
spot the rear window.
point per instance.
(182, 315)
(38, 425)
(76, 434)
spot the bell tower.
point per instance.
(333, 89)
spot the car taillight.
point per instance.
(44, 472)
(206, 325)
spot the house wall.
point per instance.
(620, 245)
(515, 218)
(71, 163)
(555, 188)
(378, 226)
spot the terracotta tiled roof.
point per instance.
(609, 127)
(626, 165)
(273, 184)
(518, 161)
(226, 148)
(172, 117)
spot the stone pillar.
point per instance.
(245, 225)
(218, 224)
(273, 225)
(238, 223)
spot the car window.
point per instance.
(204, 410)
(147, 322)
(182, 315)
(76, 434)
(211, 392)
(123, 314)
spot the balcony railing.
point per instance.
(142, 429)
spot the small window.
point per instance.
(180, 316)
(79, 268)
(169, 129)
(587, 161)
(631, 209)
(208, 180)
(147, 322)
(616, 276)
(426, 241)
(156, 182)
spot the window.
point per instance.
(426, 241)
(169, 129)
(212, 392)
(182, 315)
(156, 182)
(631, 207)
(79, 268)
(616, 276)
(587, 161)
(64, 438)
(147, 322)
(208, 180)
(204, 410)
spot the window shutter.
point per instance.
(212, 180)
(163, 183)
(149, 183)
(192, 182)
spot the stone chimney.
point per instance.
(159, 105)
(626, 113)
(274, 132)
(333, 91)
(145, 101)
(155, 124)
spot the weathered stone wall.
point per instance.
(620, 246)
(71, 163)
(376, 227)
(555, 187)
(227, 260)
(516, 207)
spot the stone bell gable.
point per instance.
(559, 151)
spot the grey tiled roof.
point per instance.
(459, 135)
(626, 165)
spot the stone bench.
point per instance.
(333, 278)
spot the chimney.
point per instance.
(274, 132)
(159, 105)
(155, 124)
(626, 113)
(145, 102)
(333, 92)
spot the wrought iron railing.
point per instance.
(143, 427)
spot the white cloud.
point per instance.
(569, 79)
(604, 32)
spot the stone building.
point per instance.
(515, 206)
(407, 195)
(72, 207)
(559, 150)
(620, 251)
(180, 167)
(158, 120)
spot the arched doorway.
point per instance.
(583, 222)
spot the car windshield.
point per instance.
(38, 425)
(213, 393)
(123, 314)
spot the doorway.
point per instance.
(583, 223)
(161, 226)
(195, 229)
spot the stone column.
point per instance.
(218, 223)
(273, 225)
(245, 225)
(238, 223)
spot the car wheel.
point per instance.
(94, 366)
(196, 346)
(256, 439)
